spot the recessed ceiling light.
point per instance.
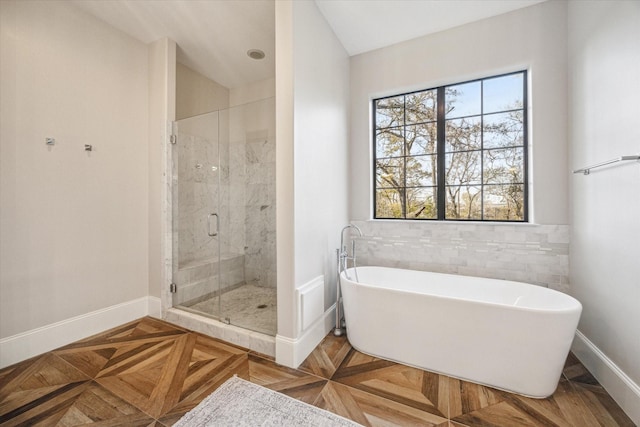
(255, 54)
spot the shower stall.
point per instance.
(223, 216)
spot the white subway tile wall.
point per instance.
(536, 254)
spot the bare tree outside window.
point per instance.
(478, 138)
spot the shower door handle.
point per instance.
(215, 233)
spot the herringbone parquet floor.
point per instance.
(150, 373)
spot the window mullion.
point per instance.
(525, 146)
(440, 144)
(482, 150)
(404, 159)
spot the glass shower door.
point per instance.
(223, 198)
(247, 160)
(196, 215)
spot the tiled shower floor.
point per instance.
(248, 306)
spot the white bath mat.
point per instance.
(240, 403)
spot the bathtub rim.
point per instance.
(575, 304)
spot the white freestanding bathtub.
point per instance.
(508, 335)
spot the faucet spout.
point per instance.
(343, 248)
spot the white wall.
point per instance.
(197, 94)
(73, 224)
(604, 65)
(321, 99)
(252, 92)
(285, 170)
(162, 111)
(533, 38)
(312, 90)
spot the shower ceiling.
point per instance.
(213, 36)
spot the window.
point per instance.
(456, 152)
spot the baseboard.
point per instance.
(31, 343)
(154, 308)
(618, 384)
(292, 352)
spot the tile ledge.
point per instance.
(462, 223)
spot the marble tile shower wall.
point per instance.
(233, 224)
(537, 254)
(197, 191)
(260, 192)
